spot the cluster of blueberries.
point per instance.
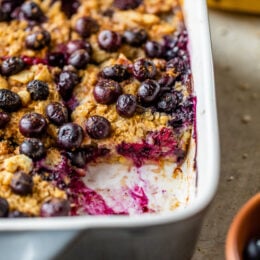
(108, 40)
(158, 94)
(11, 8)
(51, 208)
(107, 90)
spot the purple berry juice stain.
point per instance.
(157, 144)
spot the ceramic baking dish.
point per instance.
(163, 236)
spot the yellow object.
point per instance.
(251, 6)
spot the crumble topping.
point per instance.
(42, 190)
(108, 81)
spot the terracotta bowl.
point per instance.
(245, 225)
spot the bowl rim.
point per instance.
(231, 248)
(194, 11)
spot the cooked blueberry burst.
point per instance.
(87, 84)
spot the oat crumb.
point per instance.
(245, 156)
(231, 178)
(246, 119)
(244, 86)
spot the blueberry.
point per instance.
(177, 121)
(69, 7)
(75, 45)
(12, 66)
(32, 125)
(85, 26)
(4, 14)
(107, 91)
(154, 49)
(32, 11)
(184, 113)
(176, 64)
(167, 82)
(127, 4)
(56, 59)
(79, 59)
(4, 119)
(108, 12)
(148, 91)
(9, 101)
(33, 148)
(167, 102)
(4, 208)
(144, 69)
(179, 40)
(38, 40)
(98, 127)
(55, 208)
(21, 184)
(170, 54)
(109, 40)
(38, 90)
(135, 37)
(17, 214)
(176, 46)
(252, 249)
(67, 81)
(183, 39)
(116, 72)
(126, 105)
(171, 49)
(57, 113)
(70, 136)
(81, 156)
(77, 158)
(7, 7)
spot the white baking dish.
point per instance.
(163, 236)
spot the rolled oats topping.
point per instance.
(88, 82)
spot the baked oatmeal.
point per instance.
(84, 83)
